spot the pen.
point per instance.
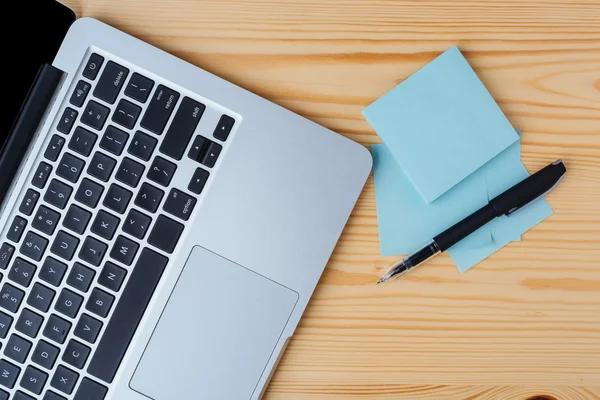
(514, 199)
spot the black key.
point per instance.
(161, 171)
(80, 94)
(76, 354)
(68, 303)
(101, 166)
(52, 396)
(34, 246)
(124, 250)
(127, 315)
(11, 297)
(117, 198)
(3, 395)
(54, 148)
(136, 224)
(182, 128)
(57, 329)
(15, 231)
(198, 181)
(179, 204)
(29, 323)
(41, 175)
(45, 354)
(126, 114)
(70, 167)
(160, 109)
(33, 380)
(64, 379)
(165, 234)
(149, 197)
(64, 245)
(66, 122)
(82, 141)
(88, 328)
(29, 202)
(95, 115)
(110, 83)
(199, 146)
(211, 155)
(89, 193)
(90, 390)
(139, 87)
(58, 194)
(17, 348)
(9, 374)
(22, 272)
(130, 172)
(45, 220)
(112, 276)
(99, 302)
(22, 396)
(5, 323)
(114, 140)
(142, 146)
(40, 297)
(224, 127)
(6, 254)
(53, 271)
(81, 277)
(105, 225)
(93, 66)
(77, 219)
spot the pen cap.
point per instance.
(529, 189)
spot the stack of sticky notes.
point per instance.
(447, 150)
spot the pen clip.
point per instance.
(517, 209)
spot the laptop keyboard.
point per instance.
(93, 234)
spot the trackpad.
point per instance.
(216, 334)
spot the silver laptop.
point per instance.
(162, 230)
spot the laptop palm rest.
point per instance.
(216, 333)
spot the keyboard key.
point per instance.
(22, 272)
(126, 114)
(11, 297)
(127, 315)
(64, 379)
(15, 230)
(149, 197)
(124, 250)
(64, 245)
(3, 395)
(76, 354)
(99, 302)
(17, 348)
(81, 277)
(165, 234)
(22, 396)
(45, 220)
(57, 329)
(112, 276)
(101, 166)
(117, 198)
(161, 171)
(29, 323)
(68, 303)
(45, 354)
(130, 172)
(139, 87)
(182, 128)
(70, 167)
(52, 396)
(160, 109)
(89, 193)
(136, 224)
(80, 94)
(95, 115)
(199, 146)
(142, 146)
(212, 154)
(114, 140)
(66, 122)
(53, 271)
(29, 202)
(5, 323)
(90, 390)
(34, 246)
(179, 204)
(223, 128)
(88, 328)
(82, 141)
(6, 254)
(198, 181)
(41, 175)
(58, 194)
(93, 251)
(105, 225)
(205, 151)
(40, 297)
(54, 148)
(77, 219)
(9, 374)
(33, 380)
(111, 81)
(93, 66)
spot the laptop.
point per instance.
(162, 229)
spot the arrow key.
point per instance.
(87, 328)
(54, 147)
(211, 155)
(198, 181)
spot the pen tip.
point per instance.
(380, 281)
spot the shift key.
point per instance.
(182, 128)
(160, 109)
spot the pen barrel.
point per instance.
(464, 228)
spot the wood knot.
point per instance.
(542, 397)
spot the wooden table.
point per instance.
(523, 323)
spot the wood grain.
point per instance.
(524, 323)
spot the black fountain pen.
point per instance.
(508, 203)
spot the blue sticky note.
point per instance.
(441, 125)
